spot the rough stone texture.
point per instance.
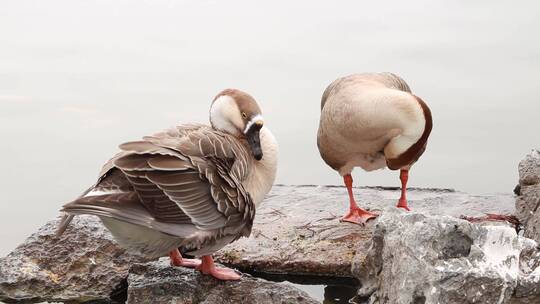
(159, 283)
(528, 287)
(83, 264)
(417, 258)
(297, 228)
(528, 200)
(296, 231)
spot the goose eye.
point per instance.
(244, 115)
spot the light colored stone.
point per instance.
(529, 169)
(528, 287)
(528, 200)
(417, 258)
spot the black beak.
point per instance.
(254, 140)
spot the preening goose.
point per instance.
(372, 121)
(194, 187)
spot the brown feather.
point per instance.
(168, 163)
(191, 174)
(145, 147)
(133, 162)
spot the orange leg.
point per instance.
(178, 260)
(356, 214)
(208, 267)
(402, 203)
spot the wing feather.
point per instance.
(191, 175)
(133, 162)
(168, 163)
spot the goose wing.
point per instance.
(189, 175)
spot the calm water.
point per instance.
(79, 77)
(324, 289)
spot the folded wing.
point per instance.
(189, 176)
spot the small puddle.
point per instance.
(327, 290)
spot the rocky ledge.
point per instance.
(84, 264)
(528, 191)
(425, 256)
(417, 258)
(297, 229)
(157, 282)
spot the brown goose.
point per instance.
(192, 186)
(372, 121)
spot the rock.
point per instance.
(83, 264)
(157, 282)
(296, 231)
(528, 200)
(527, 289)
(417, 258)
(529, 169)
(297, 228)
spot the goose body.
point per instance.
(372, 121)
(194, 187)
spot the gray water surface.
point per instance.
(79, 77)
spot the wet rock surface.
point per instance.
(297, 231)
(528, 200)
(83, 264)
(297, 228)
(157, 282)
(418, 258)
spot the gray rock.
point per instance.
(528, 289)
(83, 264)
(529, 169)
(296, 231)
(297, 228)
(528, 201)
(417, 258)
(159, 283)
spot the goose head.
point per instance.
(237, 113)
